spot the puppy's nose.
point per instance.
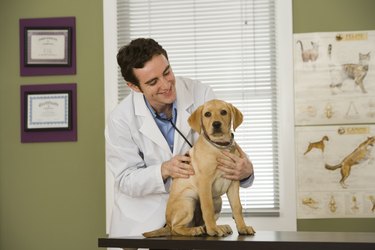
(216, 124)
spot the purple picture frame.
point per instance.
(67, 23)
(49, 135)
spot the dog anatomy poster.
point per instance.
(334, 83)
(336, 171)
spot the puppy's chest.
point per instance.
(220, 185)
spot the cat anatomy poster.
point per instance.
(334, 83)
(334, 77)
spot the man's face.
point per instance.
(157, 82)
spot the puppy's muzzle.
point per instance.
(217, 126)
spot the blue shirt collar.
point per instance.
(162, 115)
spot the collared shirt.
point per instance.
(164, 123)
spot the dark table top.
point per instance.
(270, 240)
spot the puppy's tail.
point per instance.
(161, 232)
(329, 167)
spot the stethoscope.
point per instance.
(175, 127)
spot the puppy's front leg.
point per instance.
(208, 211)
(233, 194)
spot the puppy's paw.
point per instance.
(198, 231)
(220, 230)
(248, 230)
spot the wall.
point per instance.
(325, 16)
(52, 194)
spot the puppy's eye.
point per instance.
(223, 112)
(207, 114)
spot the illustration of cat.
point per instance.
(354, 71)
(310, 54)
(360, 154)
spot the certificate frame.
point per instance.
(49, 113)
(47, 46)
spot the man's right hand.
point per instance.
(177, 167)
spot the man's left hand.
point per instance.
(235, 167)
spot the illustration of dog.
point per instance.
(318, 145)
(194, 204)
(372, 199)
(360, 154)
(310, 202)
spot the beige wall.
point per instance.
(52, 194)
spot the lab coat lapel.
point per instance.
(184, 104)
(149, 128)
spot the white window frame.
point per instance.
(286, 221)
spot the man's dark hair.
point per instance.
(135, 55)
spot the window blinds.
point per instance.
(231, 46)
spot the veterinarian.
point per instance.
(147, 136)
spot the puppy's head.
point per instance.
(216, 119)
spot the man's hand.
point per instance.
(177, 167)
(235, 167)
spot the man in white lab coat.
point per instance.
(147, 136)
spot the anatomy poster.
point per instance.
(335, 171)
(334, 78)
(334, 82)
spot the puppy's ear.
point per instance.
(195, 119)
(237, 116)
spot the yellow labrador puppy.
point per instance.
(194, 204)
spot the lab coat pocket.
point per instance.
(141, 208)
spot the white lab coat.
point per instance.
(135, 149)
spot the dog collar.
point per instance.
(221, 145)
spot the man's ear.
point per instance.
(237, 116)
(195, 119)
(134, 87)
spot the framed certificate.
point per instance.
(48, 110)
(48, 113)
(47, 46)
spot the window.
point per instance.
(234, 47)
